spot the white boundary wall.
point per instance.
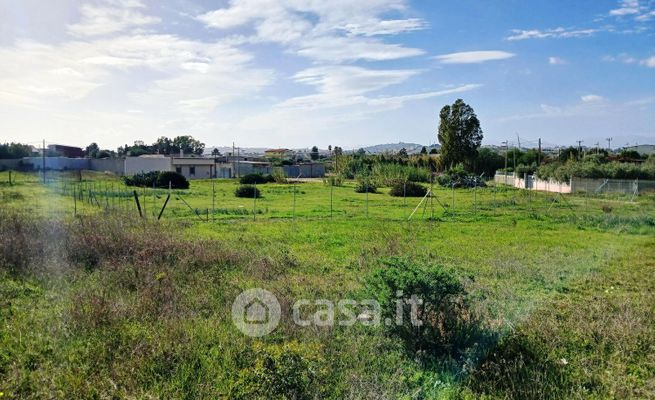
(576, 185)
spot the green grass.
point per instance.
(565, 286)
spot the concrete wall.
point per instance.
(531, 182)
(201, 171)
(114, 165)
(247, 168)
(223, 172)
(313, 170)
(135, 165)
(58, 163)
(576, 185)
(550, 186)
(7, 164)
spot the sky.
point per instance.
(298, 73)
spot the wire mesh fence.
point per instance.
(215, 200)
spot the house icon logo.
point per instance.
(256, 312)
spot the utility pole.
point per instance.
(518, 139)
(597, 148)
(238, 155)
(609, 144)
(580, 148)
(539, 153)
(233, 161)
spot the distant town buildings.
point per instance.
(283, 154)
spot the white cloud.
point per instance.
(473, 57)
(640, 11)
(338, 49)
(623, 57)
(645, 16)
(350, 79)
(184, 77)
(117, 16)
(649, 62)
(627, 7)
(348, 88)
(326, 31)
(556, 33)
(592, 98)
(556, 61)
(375, 27)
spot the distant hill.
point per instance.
(412, 148)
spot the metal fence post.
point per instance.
(254, 205)
(331, 198)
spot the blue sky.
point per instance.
(297, 73)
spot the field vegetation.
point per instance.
(541, 296)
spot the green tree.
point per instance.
(163, 145)
(188, 145)
(314, 153)
(92, 150)
(14, 150)
(216, 152)
(424, 150)
(459, 134)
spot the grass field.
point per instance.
(99, 303)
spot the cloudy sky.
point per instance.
(296, 73)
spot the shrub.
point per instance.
(278, 176)
(459, 177)
(408, 189)
(365, 186)
(178, 181)
(444, 315)
(141, 179)
(334, 180)
(159, 179)
(256, 179)
(563, 172)
(248, 191)
(387, 174)
(285, 371)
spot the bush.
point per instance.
(178, 181)
(141, 179)
(247, 191)
(408, 189)
(563, 172)
(256, 179)
(285, 371)
(365, 186)
(334, 180)
(387, 174)
(443, 313)
(458, 177)
(278, 176)
(159, 179)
